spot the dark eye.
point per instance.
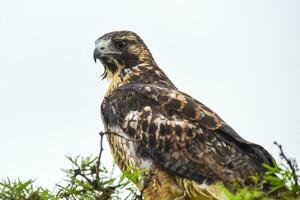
(121, 44)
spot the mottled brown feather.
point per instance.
(187, 148)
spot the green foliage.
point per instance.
(15, 190)
(283, 181)
(87, 179)
(246, 194)
(82, 181)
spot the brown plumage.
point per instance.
(186, 148)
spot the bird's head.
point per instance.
(119, 50)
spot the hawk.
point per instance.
(186, 148)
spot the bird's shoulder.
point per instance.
(167, 99)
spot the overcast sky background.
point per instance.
(240, 58)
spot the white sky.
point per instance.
(240, 58)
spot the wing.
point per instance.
(182, 135)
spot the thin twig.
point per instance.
(289, 162)
(100, 154)
(101, 147)
(85, 177)
(125, 138)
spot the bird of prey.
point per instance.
(185, 148)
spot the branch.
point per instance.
(100, 154)
(101, 147)
(289, 162)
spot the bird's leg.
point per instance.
(147, 179)
(147, 189)
(161, 185)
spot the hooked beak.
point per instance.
(104, 50)
(97, 54)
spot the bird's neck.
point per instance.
(142, 73)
